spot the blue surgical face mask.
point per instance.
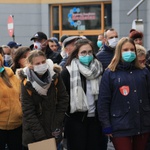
(128, 56)
(99, 44)
(85, 60)
(2, 69)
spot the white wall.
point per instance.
(28, 19)
(122, 22)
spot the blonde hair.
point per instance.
(117, 56)
(140, 50)
(34, 53)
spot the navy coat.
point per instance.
(124, 101)
(105, 56)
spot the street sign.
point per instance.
(138, 25)
(10, 26)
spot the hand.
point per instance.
(109, 135)
(56, 133)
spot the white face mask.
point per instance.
(7, 57)
(113, 42)
(37, 45)
(40, 69)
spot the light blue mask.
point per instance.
(128, 56)
(99, 44)
(85, 60)
(2, 69)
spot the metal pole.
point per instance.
(139, 3)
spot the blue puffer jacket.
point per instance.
(105, 56)
(124, 101)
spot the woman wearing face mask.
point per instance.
(81, 77)
(20, 56)
(7, 56)
(10, 109)
(124, 99)
(44, 101)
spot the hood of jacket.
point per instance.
(53, 68)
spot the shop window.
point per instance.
(85, 17)
(56, 35)
(107, 16)
(93, 38)
(56, 18)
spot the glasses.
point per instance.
(84, 53)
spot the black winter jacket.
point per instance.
(43, 114)
(80, 116)
(54, 56)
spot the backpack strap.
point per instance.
(25, 82)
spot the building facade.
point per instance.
(71, 17)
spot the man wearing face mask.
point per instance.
(68, 47)
(41, 43)
(107, 52)
(100, 41)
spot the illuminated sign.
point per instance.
(75, 16)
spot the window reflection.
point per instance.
(55, 18)
(107, 16)
(81, 17)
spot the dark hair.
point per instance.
(18, 55)
(1, 51)
(134, 34)
(77, 45)
(148, 58)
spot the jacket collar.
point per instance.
(126, 66)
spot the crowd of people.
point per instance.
(83, 97)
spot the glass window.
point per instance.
(55, 18)
(56, 35)
(93, 38)
(81, 17)
(107, 16)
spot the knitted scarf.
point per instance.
(40, 86)
(78, 100)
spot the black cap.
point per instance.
(70, 40)
(39, 36)
(12, 44)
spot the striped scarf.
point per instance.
(78, 100)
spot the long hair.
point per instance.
(20, 52)
(79, 43)
(117, 57)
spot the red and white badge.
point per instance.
(124, 90)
